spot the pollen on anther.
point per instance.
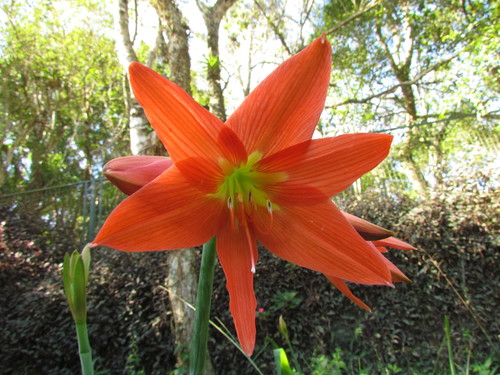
(269, 206)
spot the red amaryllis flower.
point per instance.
(258, 177)
(130, 173)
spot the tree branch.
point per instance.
(390, 90)
(274, 27)
(213, 16)
(352, 17)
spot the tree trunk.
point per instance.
(138, 123)
(181, 278)
(212, 17)
(400, 61)
(177, 45)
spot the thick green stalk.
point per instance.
(202, 314)
(84, 349)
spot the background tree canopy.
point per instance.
(425, 71)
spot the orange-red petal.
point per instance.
(204, 174)
(320, 238)
(396, 274)
(287, 193)
(367, 230)
(235, 257)
(185, 127)
(329, 164)
(394, 243)
(168, 213)
(285, 108)
(232, 147)
(130, 173)
(341, 285)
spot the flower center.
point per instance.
(243, 188)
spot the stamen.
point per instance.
(270, 210)
(250, 247)
(231, 210)
(251, 203)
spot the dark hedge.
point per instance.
(455, 273)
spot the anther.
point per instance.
(251, 248)
(251, 202)
(269, 207)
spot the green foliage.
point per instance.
(407, 63)
(323, 365)
(454, 273)
(285, 300)
(211, 63)
(486, 368)
(125, 303)
(61, 101)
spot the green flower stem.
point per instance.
(84, 349)
(202, 314)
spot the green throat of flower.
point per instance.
(245, 191)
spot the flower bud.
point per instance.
(130, 173)
(282, 327)
(75, 278)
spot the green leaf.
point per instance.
(281, 362)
